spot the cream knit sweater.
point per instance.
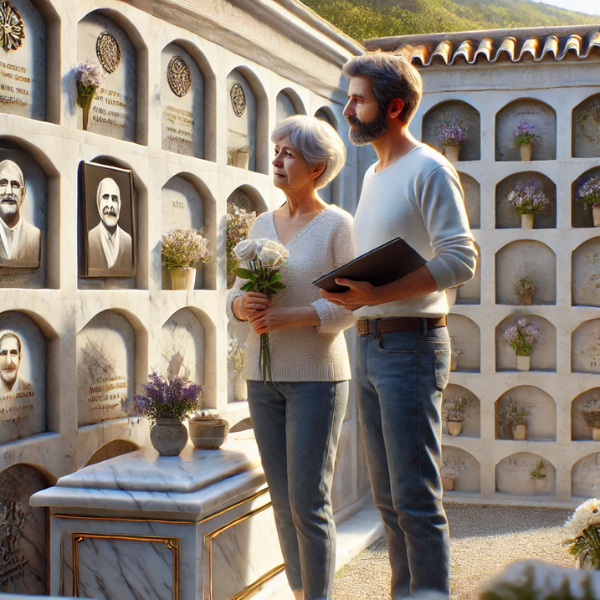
(305, 353)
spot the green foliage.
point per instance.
(264, 280)
(586, 548)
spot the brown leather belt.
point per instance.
(380, 326)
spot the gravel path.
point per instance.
(484, 540)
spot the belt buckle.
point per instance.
(362, 327)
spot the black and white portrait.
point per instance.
(11, 355)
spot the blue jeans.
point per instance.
(297, 427)
(400, 378)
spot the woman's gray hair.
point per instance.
(317, 141)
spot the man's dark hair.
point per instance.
(391, 76)
(12, 335)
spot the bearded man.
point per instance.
(10, 361)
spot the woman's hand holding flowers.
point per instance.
(250, 303)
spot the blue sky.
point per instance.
(591, 7)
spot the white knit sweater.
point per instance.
(305, 353)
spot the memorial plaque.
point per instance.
(182, 102)
(105, 367)
(113, 109)
(586, 128)
(23, 532)
(462, 465)
(22, 377)
(241, 123)
(586, 274)
(585, 348)
(513, 476)
(585, 476)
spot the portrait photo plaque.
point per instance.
(108, 224)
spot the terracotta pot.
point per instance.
(182, 278)
(168, 436)
(241, 160)
(596, 215)
(525, 299)
(448, 483)
(527, 221)
(452, 153)
(454, 427)
(523, 363)
(451, 294)
(240, 391)
(208, 433)
(596, 434)
(519, 431)
(525, 151)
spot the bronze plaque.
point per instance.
(12, 29)
(179, 76)
(238, 99)
(108, 52)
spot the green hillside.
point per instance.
(364, 19)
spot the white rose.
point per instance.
(273, 245)
(247, 250)
(270, 257)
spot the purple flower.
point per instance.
(524, 134)
(589, 192)
(528, 197)
(452, 135)
(521, 336)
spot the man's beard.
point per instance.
(364, 133)
(9, 205)
(109, 217)
(9, 376)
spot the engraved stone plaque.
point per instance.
(105, 367)
(464, 467)
(586, 128)
(586, 274)
(113, 109)
(182, 102)
(513, 476)
(585, 477)
(241, 123)
(585, 348)
(12, 28)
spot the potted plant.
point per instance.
(207, 430)
(454, 412)
(452, 136)
(583, 534)
(591, 416)
(525, 289)
(455, 352)
(450, 471)
(89, 77)
(589, 195)
(516, 418)
(529, 199)
(239, 223)
(523, 138)
(521, 336)
(182, 248)
(538, 471)
(236, 362)
(167, 403)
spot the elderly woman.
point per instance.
(298, 414)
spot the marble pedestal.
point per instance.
(196, 526)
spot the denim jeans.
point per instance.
(400, 378)
(297, 427)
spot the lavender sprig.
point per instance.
(521, 336)
(524, 135)
(452, 135)
(528, 197)
(589, 192)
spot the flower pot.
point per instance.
(525, 151)
(595, 433)
(448, 483)
(182, 278)
(451, 294)
(240, 391)
(525, 299)
(527, 221)
(596, 214)
(523, 363)
(454, 427)
(241, 160)
(208, 433)
(519, 431)
(168, 436)
(452, 153)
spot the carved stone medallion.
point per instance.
(179, 76)
(108, 52)
(238, 99)
(12, 29)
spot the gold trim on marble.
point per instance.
(221, 512)
(254, 587)
(171, 543)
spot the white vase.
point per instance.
(451, 294)
(448, 483)
(452, 153)
(182, 278)
(523, 363)
(525, 151)
(454, 427)
(595, 433)
(596, 214)
(240, 391)
(527, 221)
(241, 160)
(519, 431)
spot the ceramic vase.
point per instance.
(452, 153)
(448, 483)
(525, 151)
(525, 299)
(523, 363)
(451, 294)
(241, 160)
(595, 433)
(168, 436)
(208, 433)
(240, 390)
(454, 427)
(527, 221)
(182, 278)
(519, 431)
(596, 214)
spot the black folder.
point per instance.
(384, 264)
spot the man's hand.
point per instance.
(361, 293)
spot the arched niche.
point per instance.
(330, 193)
(112, 449)
(581, 215)
(472, 423)
(472, 191)
(287, 104)
(462, 465)
(585, 476)
(533, 112)
(182, 97)
(24, 541)
(514, 475)
(106, 349)
(248, 198)
(107, 38)
(470, 292)
(526, 258)
(580, 431)
(454, 112)
(585, 287)
(543, 354)
(23, 377)
(187, 202)
(541, 423)
(326, 114)
(507, 217)
(247, 116)
(585, 347)
(465, 343)
(585, 128)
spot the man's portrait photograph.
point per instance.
(108, 223)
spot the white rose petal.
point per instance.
(247, 250)
(270, 257)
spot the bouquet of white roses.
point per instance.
(263, 259)
(583, 534)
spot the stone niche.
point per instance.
(187, 202)
(454, 112)
(287, 104)
(472, 191)
(543, 354)
(23, 532)
(23, 400)
(585, 128)
(105, 367)
(464, 467)
(182, 103)
(526, 258)
(585, 476)
(465, 343)
(113, 111)
(514, 475)
(541, 423)
(580, 431)
(28, 267)
(532, 112)
(470, 292)
(241, 122)
(507, 217)
(585, 348)
(23, 63)
(248, 198)
(581, 215)
(329, 193)
(585, 288)
(471, 425)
